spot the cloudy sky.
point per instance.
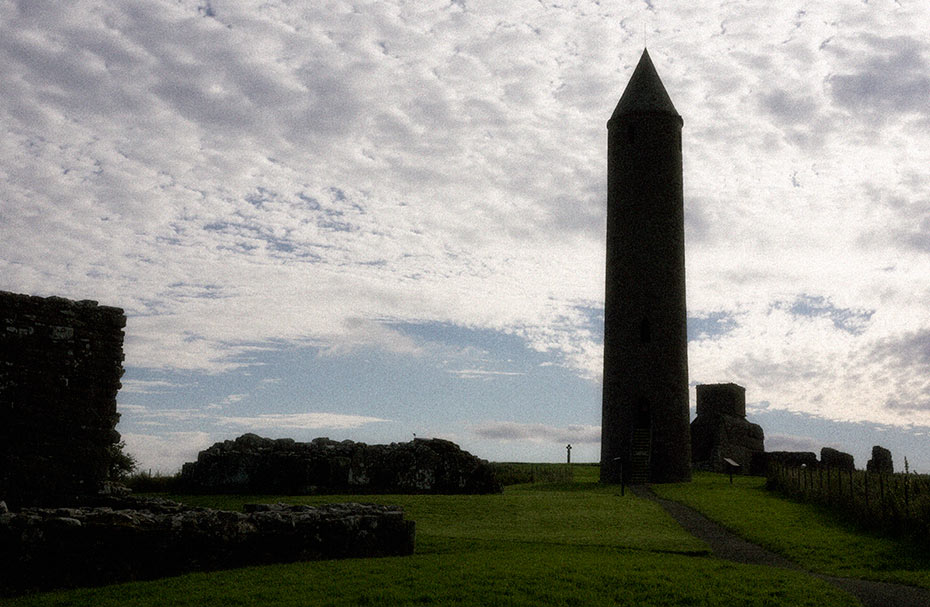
(371, 220)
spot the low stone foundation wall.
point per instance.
(45, 548)
(794, 459)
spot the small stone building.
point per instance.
(721, 429)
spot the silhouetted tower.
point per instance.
(645, 422)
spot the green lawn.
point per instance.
(567, 544)
(806, 533)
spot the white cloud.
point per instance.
(166, 452)
(147, 386)
(299, 421)
(536, 433)
(482, 373)
(787, 442)
(271, 175)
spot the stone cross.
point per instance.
(568, 450)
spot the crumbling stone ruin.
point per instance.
(252, 464)
(881, 461)
(60, 366)
(44, 548)
(831, 458)
(721, 429)
(791, 459)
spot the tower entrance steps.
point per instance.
(639, 462)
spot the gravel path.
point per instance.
(727, 545)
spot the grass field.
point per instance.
(808, 534)
(536, 544)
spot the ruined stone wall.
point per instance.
(881, 462)
(721, 399)
(721, 430)
(44, 548)
(253, 464)
(831, 458)
(794, 459)
(60, 366)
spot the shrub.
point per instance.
(146, 482)
(513, 473)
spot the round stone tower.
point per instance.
(645, 434)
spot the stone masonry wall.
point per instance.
(881, 462)
(253, 464)
(721, 431)
(45, 548)
(721, 399)
(60, 366)
(794, 459)
(831, 458)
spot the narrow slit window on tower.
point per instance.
(645, 331)
(630, 133)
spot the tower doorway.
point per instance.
(641, 446)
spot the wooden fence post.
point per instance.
(867, 493)
(852, 491)
(881, 486)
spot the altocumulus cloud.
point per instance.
(513, 431)
(249, 178)
(166, 452)
(299, 421)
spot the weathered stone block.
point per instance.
(721, 399)
(881, 462)
(831, 458)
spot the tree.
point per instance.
(122, 464)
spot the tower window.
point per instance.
(630, 133)
(645, 331)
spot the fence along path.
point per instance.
(727, 545)
(898, 503)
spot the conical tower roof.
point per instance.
(645, 93)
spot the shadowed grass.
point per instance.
(505, 575)
(581, 514)
(806, 533)
(515, 473)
